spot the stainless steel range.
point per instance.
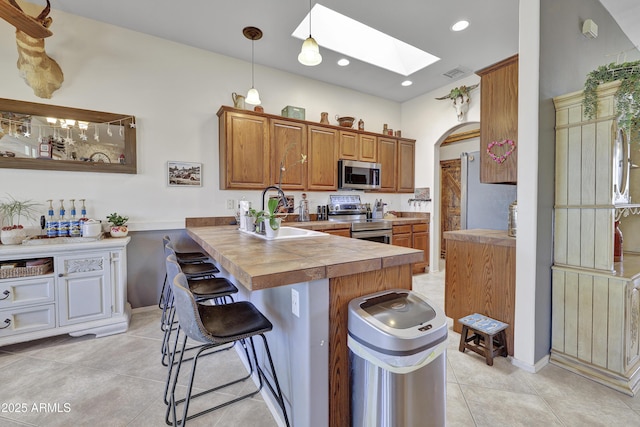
(350, 208)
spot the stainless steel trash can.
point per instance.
(397, 360)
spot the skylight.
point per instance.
(347, 36)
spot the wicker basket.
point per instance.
(36, 270)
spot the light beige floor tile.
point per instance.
(472, 369)
(579, 415)
(458, 413)
(553, 382)
(492, 408)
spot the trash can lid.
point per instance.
(399, 310)
(396, 321)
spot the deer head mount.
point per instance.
(461, 99)
(39, 71)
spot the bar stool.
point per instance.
(215, 326)
(216, 289)
(195, 268)
(183, 258)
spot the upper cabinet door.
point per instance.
(323, 158)
(388, 159)
(244, 151)
(349, 146)
(368, 148)
(288, 146)
(499, 122)
(406, 162)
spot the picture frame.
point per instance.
(184, 174)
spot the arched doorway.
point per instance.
(460, 138)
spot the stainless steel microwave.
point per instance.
(354, 175)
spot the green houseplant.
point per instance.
(118, 225)
(274, 223)
(12, 211)
(627, 96)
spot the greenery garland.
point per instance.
(627, 97)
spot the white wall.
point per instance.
(430, 121)
(174, 92)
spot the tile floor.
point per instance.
(118, 381)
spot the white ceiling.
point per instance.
(217, 26)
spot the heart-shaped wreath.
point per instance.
(502, 158)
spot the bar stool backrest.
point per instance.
(173, 268)
(187, 309)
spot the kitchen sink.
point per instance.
(286, 233)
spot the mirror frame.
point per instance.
(46, 110)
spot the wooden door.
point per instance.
(288, 145)
(450, 189)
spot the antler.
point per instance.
(11, 12)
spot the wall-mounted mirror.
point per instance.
(49, 137)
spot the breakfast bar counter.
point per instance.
(304, 286)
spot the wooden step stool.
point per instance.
(488, 337)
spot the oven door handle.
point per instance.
(371, 233)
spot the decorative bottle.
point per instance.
(617, 242)
(63, 222)
(52, 222)
(83, 216)
(74, 223)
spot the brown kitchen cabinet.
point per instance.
(402, 235)
(480, 277)
(499, 120)
(288, 145)
(322, 167)
(349, 147)
(414, 236)
(388, 159)
(420, 240)
(406, 166)
(368, 148)
(357, 146)
(244, 150)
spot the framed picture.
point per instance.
(184, 174)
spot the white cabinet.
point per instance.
(84, 293)
(84, 287)
(595, 319)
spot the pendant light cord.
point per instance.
(252, 43)
(309, 18)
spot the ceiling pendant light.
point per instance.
(253, 34)
(310, 52)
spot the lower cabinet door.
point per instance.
(84, 289)
(27, 319)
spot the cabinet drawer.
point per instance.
(401, 229)
(19, 292)
(27, 319)
(417, 228)
(344, 232)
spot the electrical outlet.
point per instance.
(295, 302)
(230, 204)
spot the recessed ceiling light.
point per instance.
(354, 39)
(460, 25)
(343, 62)
(407, 83)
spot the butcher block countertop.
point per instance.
(493, 237)
(261, 264)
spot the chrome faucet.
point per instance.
(280, 192)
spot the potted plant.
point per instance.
(12, 211)
(627, 96)
(118, 225)
(271, 223)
